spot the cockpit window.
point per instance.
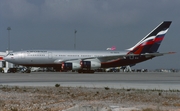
(11, 54)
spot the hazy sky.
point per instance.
(50, 24)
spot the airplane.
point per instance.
(88, 61)
(112, 48)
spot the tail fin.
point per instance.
(151, 42)
(112, 48)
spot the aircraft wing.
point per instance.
(115, 57)
(110, 58)
(100, 58)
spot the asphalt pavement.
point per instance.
(141, 80)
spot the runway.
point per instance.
(146, 80)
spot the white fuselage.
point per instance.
(56, 57)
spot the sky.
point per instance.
(50, 24)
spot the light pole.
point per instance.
(9, 28)
(75, 39)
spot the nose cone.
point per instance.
(6, 58)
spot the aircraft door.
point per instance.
(22, 55)
(49, 55)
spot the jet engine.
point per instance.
(70, 66)
(90, 65)
(85, 66)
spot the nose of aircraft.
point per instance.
(6, 58)
(10, 57)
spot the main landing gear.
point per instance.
(26, 70)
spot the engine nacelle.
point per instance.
(90, 64)
(70, 66)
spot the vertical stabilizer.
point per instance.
(151, 42)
